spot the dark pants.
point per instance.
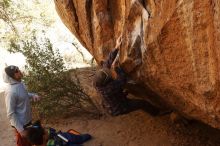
(130, 105)
(136, 104)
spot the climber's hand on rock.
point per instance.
(115, 63)
(118, 42)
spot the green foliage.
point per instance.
(5, 3)
(47, 76)
(18, 19)
(5, 14)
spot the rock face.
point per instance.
(169, 46)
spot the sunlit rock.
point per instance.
(171, 47)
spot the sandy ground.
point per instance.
(137, 128)
(134, 129)
(140, 129)
(6, 132)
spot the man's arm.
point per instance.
(34, 96)
(121, 75)
(10, 101)
(121, 79)
(110, 59)
(31, 95)
(112, 55)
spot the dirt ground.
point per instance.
(134, 129)
(6, 132)
(140, 129)
(137, 128)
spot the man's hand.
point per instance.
(36, 98)
(116, 62)
(118, 42)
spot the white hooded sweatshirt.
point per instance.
(17, 101)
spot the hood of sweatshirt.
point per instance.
(8, 79)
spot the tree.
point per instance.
(47, 75)
(5, 14)
(21, 18)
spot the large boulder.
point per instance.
(171, 47)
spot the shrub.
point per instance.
(47, 76)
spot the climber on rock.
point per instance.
(115, 100)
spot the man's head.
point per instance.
(35, 134)
(13, 72)
(102, 77)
